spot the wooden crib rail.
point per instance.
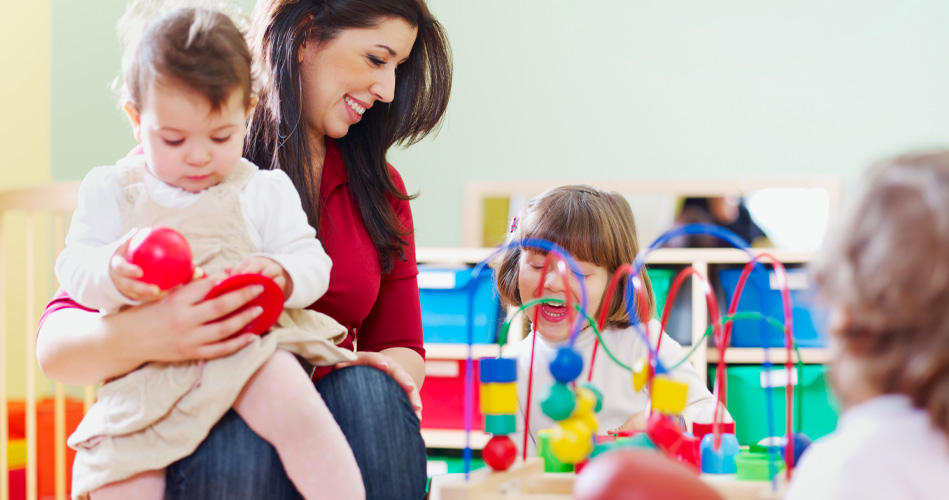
(57, 200)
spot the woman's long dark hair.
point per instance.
(277, 136)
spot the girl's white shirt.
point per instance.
(883, 448)
(271, 209)
(620, 401)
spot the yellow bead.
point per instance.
(586, 401)
(668, 396)
(640, 374)
(571, 443)
(499, 398)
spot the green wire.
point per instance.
(502, 339)
(502, 335)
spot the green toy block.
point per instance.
(500, 425)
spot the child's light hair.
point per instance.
(593, 225)
(187, 42)
(886, 267)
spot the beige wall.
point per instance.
(25, 52)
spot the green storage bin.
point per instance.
(455, 465)
(661, 280)
(746, 403)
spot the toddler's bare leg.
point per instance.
(280, 404)
(149, 485)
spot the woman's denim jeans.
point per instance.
(233, 463)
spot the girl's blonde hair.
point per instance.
(886, 267)
(593, 225)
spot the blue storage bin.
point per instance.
(444, 295)
(761, 294)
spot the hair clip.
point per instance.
(514, 224)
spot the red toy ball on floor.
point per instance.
(164, 256)
(271, 300)
(635, 474)
(499, 453)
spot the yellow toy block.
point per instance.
(498, 398)
(668, 396)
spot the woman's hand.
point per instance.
(79, 347)
(636, 422)
(184, 327)
(394, 370)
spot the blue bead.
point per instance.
(722, 460)
(497, 370)
(567, 365)
(801, 442)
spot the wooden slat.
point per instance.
(59, 417)
(4, 437)
(59, 196)
(32, 492)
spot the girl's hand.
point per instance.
(636, 422)
(126, 277)
(182, 326)
(394, 370)
(268, 267)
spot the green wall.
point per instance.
(612, 89)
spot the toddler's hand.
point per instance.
(126, 276)
(268, 267)
(637, 422)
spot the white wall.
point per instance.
(610, 89)
(614, 89)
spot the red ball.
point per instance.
(164, 256)
(499, 453)
(637, 474)
(271, 300)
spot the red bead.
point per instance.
(499, 453)
(164, 256)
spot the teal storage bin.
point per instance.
(661, 280)
(760, 296)
(444, 296)
(746, 403)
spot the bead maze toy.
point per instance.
(710, 452)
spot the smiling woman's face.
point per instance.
(345, 76)
(552, 319)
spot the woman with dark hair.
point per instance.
(348, 79)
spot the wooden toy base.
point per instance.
(528, 481)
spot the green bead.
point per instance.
(559, 403)
(500, 424)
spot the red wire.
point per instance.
(782, 279)
(530, 373)
(641, 300)
(781, 276)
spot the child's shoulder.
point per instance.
(101, 179)
(275, 177)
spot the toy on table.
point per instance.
(165, 258)
(715, 449)
(499, 406)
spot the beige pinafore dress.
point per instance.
(160, 412)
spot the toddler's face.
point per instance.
(552, 319)
(186, 144)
